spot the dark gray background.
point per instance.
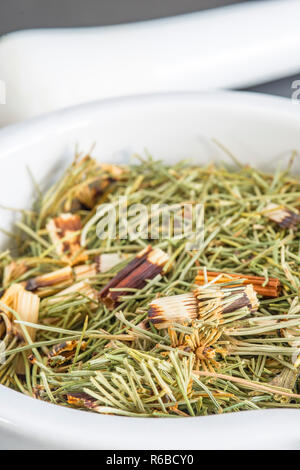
(18, 14)
(23, 14)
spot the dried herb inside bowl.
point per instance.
(138, 325)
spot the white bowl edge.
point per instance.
(265, 128)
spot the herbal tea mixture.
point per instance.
(141, 326)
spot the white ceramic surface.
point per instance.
(259, 130)
(230, 47)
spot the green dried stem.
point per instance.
(128, 367)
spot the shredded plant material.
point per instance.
(139, 325)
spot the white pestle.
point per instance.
(233, 46)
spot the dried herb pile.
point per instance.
(143, 327)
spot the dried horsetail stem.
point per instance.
(252, 385)
(214, 301)
(83, 181)
(67, 275)
(287, 379)
(8, 332)
(8, 298)
(89, 194)
(64, 234)
(25, 303)
(165, 311)
(63, 352)
(27, 306)
(50, 279)
(80, 288)
(146, 265)
(61, 278)
(113, 171)
(2, 328)
(255, 349)
(107, 261)
(85, 271)
(13, 271)
(102, 264)
(201, 343)
(271, 289)
(282, 216)
(81, 400)
(209, 303)
(6, 327)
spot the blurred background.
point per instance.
(25, 14)
(21, 14)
